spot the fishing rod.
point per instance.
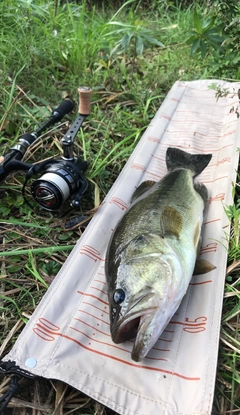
(61, 179)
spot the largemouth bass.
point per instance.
(152, 253)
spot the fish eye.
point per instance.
(119, 296)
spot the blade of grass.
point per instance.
(20, 223)
(108, 159)
(48, 249)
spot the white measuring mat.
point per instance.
(68, 337)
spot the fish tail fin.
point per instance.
(176, 158)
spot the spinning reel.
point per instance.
(60, 179)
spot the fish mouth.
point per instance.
(126, 330)
(146, 337)
(136, 320)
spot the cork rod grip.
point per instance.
(84, 98)
(1, 159)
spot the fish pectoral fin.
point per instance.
(203, 266)
(171, 222)
(143, 188)
(197, 236)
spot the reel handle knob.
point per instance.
(84, 97)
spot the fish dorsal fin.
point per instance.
(141, 189)
(203, 266)
(171, 222)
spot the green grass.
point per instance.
(46, 52)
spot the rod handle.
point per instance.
(64, 108)
(1, 159)
(84, 100)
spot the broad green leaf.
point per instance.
(192, 33)
(215, 38)
(211, 31)
(190, 40)
(208, 23)
(197, 22)
(152, 40)
(203, 48)
(125, 42)
(116, 49)
(236, 59)
(122, 45)
(195, 46)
